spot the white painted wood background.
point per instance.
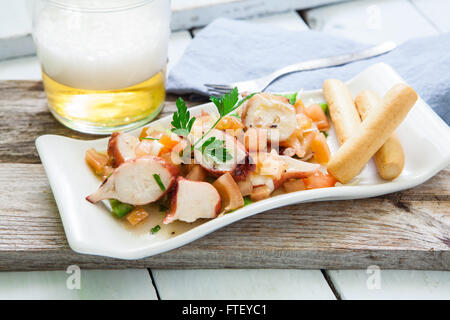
(388, 19)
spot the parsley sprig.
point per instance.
(225, 105)
(212, 147)
(215, 150)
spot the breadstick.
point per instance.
(379, 125)
(390, 158)
(342, 109)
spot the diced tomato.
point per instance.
(315, 112)
(299, 106)
(137, 215)
(168, 142)
(320, 148)
(229, 123)
(143, 133)
(96, 160)
(319, 180)
(303, 121)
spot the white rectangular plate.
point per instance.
(91, 229)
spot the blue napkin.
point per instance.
(229, 50)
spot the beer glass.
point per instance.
(103, 62)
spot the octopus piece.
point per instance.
(192, 200)
(137, 181)
(240, 164)
(271, 113)
(121, 147)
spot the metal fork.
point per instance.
(258, 85)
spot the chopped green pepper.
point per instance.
(324, 107)
(155, 229)
(291, 96)
(247, 200)
(120, 209)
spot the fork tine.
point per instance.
(220, 91)
(218, 86)
(217, 93)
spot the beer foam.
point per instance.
(103, 50)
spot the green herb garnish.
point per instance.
(325, 134)
(247, 200)
(155, 229)
(324, 107)
(225, 104)
(215, 150)
(120, 209)
(291, 96)
(159, 182)
(236, 115)
(181, 119)
(148, 138)
(182, 122)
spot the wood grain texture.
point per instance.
(405, 230)
(410, 229)
(232, 284)
(24, 116)
(383, 284)
(132, 284)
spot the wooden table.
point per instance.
(405, 230)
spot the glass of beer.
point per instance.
(103, 62)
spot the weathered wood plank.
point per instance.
(94, 284)
(374, 284)
(195, 13)
(24, 117)
(230, 284)
(371, 21)
(410, 229)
